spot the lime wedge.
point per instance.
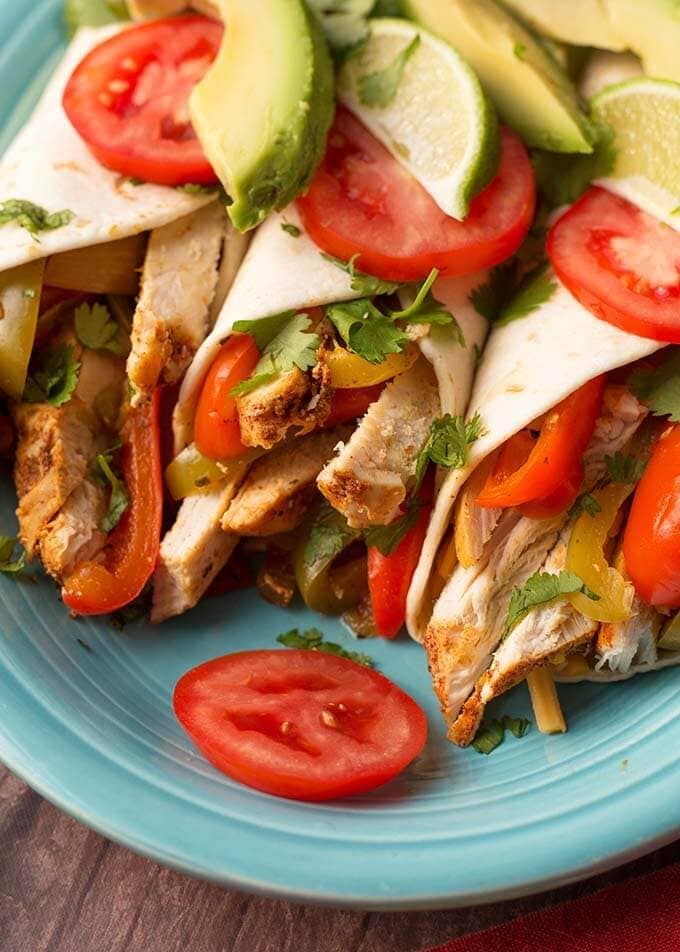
(425, 104)
(645, 116)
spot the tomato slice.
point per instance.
(97, 588)
(217, 432)
(129, 99)
(300, 724)
(347, 405)
(390, 576)
(651, 542)
(554, 462)
(363, 202)
(620, 263)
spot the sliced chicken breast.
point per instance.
(278, 489)
(369, 478)
(178, 285)
(74, 535)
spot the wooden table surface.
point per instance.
(64, 888)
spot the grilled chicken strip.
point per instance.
(178, 285)
(278, 489)
(59, 508)
(368, 480)
(467, 620)
(546, 631)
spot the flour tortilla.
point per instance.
(281, 272)
(667, 659)
(50, 165)
(528, 367)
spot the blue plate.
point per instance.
(86, 719)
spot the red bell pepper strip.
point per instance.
(555, 457)
(389, 576)
(350, 404)
(97, 588)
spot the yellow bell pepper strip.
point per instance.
(112, 267)
(20, 290)
(325, 536)
(586, 558)
(349, 371)
(670, 636)
(191, 473)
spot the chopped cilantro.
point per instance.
(193, 188)
(313, 640)
(291, 229)
(83, 644)
(660, 388)
(585, 503)
(448, 443)
(136, 181)
(131, 613)
(54, 376)
(364, 284)
(562, 178)
(366, 330)
(379, 89)
(12, 555)
(105, 474)
(32, 217)
(79, 13)
(623, 468)
(387, 538)
(535, 288)
(540, 588)
(97, 329)
(518, 50)
(491, 735)
(291, 346)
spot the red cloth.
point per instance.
(641, 915)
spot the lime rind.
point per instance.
(452, 151)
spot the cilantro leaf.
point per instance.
(660, 388)
(79, 13)
(328, 535)
(490, 297)
(535, 288)
(366, 330)
(585, 503)
(252, 383)
(264, 329)
(97, 329)
(32, 217)
(364, 284)
(12, 555)
(491, 735)
(54, 377)
(623, 468)
(448, 443)
(291, 346)
(379, 89)
(313, 640)
(563, 178)
(105, 474)
(540, 588)
(426, 309)
(387, 538)
(291, 229)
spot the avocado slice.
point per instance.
(581, 22)
(650, 28)
(532, 93)
(263, 109)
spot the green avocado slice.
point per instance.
(531, 91)
(263, 110)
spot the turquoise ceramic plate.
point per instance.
(86, 719)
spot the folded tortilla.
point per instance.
(529, 366)
(49, 164)
(282, 272)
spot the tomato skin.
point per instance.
(553, 470)
(140, 126)
(651, 542)
(98, 588)
(389, 576)
(580, 248)
(300, 724)
(361, 201)
(217, 433)
(347, 405)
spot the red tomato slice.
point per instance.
(620, 263)
(217, 432)
(300, 724)
(129, 99)
(362, 201)
(553, 461)
(651, 542)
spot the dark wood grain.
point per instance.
(66, 889)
